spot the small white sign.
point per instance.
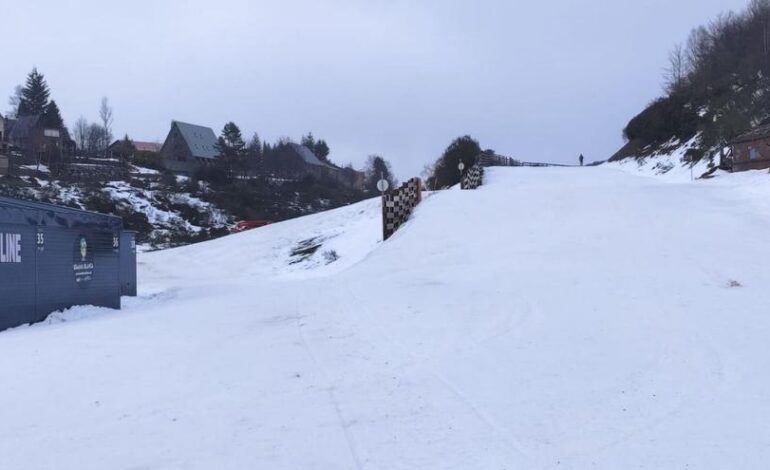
(382, 185)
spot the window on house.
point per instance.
(752, 153)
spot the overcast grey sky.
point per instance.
(541, 81)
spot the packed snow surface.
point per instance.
(556, 318)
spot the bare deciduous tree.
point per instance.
(14, 100)
(96, 138)
(760, 10)
(676, 72)
(105, 114)
(81, 133)
(698, 46)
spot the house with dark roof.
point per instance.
(295, 161)
(751, 150)
(188, 147)
(36, 141)
(140, 146)
(119, 149)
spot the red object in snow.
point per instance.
(250, 224)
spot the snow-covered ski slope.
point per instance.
(554, 319)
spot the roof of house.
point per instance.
(761, 132)
(146, 146)
(200, 139)
(141, 146)
(22, 127)
(307, 155)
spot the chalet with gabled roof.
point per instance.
(188, 147)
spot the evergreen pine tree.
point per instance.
(378, 168)
(254, 155)
(52, 117)
(230, 143)
(309, 141)
(34, 95)
(321, 150)
(255, 146)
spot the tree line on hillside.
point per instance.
(241, 159)
(717, 85)
(238, 157)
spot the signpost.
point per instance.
(383, 185)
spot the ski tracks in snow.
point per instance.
(331, 392)
(424, 365)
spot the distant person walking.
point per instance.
(581, 159)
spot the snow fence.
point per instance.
(473, 177)
(397, 206)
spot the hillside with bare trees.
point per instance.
(717, 86)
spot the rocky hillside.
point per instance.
(168, 210)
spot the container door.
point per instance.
(77, 267)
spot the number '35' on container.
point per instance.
(53, 258)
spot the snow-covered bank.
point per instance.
(555, 318)
(310, 246)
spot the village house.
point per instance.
(151, 147)
(751, 151)
(296, 161)
(36, 142)
(118, 150)
(188, 147)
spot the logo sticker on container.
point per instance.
(83, 262)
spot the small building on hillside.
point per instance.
(152, 147)
(295, 161)
(751, 151)
(118, 148)
(188, 147)
(140, 146)
(37, 142)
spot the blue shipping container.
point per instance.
(52, 258)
